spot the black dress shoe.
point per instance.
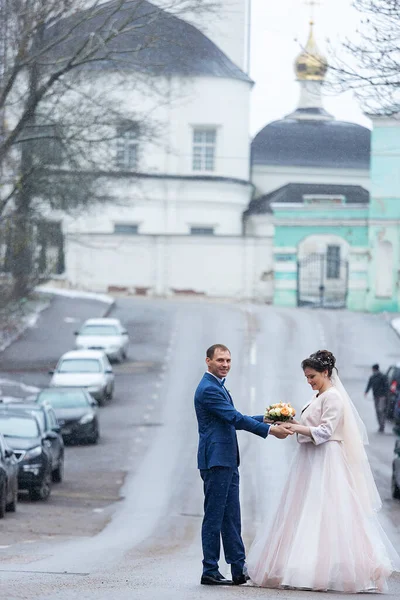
(240, 579)
(215, 579)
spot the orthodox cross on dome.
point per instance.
(312, 4)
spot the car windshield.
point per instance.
(40, 417)
(79, 365)
(99, 330)
(69, 399)
(19, 428)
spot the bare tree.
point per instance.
(58, 126)
(369, 62)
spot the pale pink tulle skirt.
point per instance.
(321, 537)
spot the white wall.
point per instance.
(173, 107)
(268, 178)
(260, 225)
(166, 206)
(233, 267)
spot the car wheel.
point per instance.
(124, 354)
(395, 488)
(43, 491)
(110, 394)
(58, 474)
(3, 500)
(12, 506)
(103, 398)
(94, 439)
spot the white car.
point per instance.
(104, 334)
(89, 369)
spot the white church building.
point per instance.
(190, 212)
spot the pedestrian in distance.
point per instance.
(379, 384)
(218, 461)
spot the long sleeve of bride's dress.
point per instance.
(331, 417)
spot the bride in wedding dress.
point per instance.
(325, 534)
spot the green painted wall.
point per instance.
(384, 207)
(293, 235)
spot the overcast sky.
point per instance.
(275, 26)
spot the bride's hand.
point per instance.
(293, 426)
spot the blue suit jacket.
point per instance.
(218, 420)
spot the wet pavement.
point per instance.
(125, 523)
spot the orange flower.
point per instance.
(285, 411)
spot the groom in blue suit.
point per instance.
(218, 461)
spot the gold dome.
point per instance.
(311, 65)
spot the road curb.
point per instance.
(109, 308)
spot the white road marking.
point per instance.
(252, 400)
(154, 397)
(3, 547)
(23, 386)
(253, 354)
(71, 320)
(322, 334)
(149, 406)
(146, 417)
(98, 510)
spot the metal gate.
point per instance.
(322, 281)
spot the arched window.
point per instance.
(384, 270)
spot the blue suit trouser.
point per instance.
(222, 520)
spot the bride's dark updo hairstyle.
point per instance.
(320, 361)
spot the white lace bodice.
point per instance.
(324, 417)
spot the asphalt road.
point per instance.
(84, 543)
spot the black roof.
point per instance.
(294, 192)
(154, 41)
(312, 143)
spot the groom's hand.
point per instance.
(280, 431)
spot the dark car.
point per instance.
(8, 478)
(396, 471)
(51, 429)
(31, 446)
(393, 375)
(76, 411)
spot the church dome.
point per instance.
(311, 65)
(151, 41)
(312, 143)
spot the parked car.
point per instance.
(89, 369)
(32, 449)
(51, 430)
(396, 471)
(393, 375)
(8, 478)
(104, 334)
(76, 412)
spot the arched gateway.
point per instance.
(323, 272)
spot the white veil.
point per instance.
(354, 438)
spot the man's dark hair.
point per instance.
(375, 367)
(211, 351)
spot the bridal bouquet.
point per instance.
(281, 411)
